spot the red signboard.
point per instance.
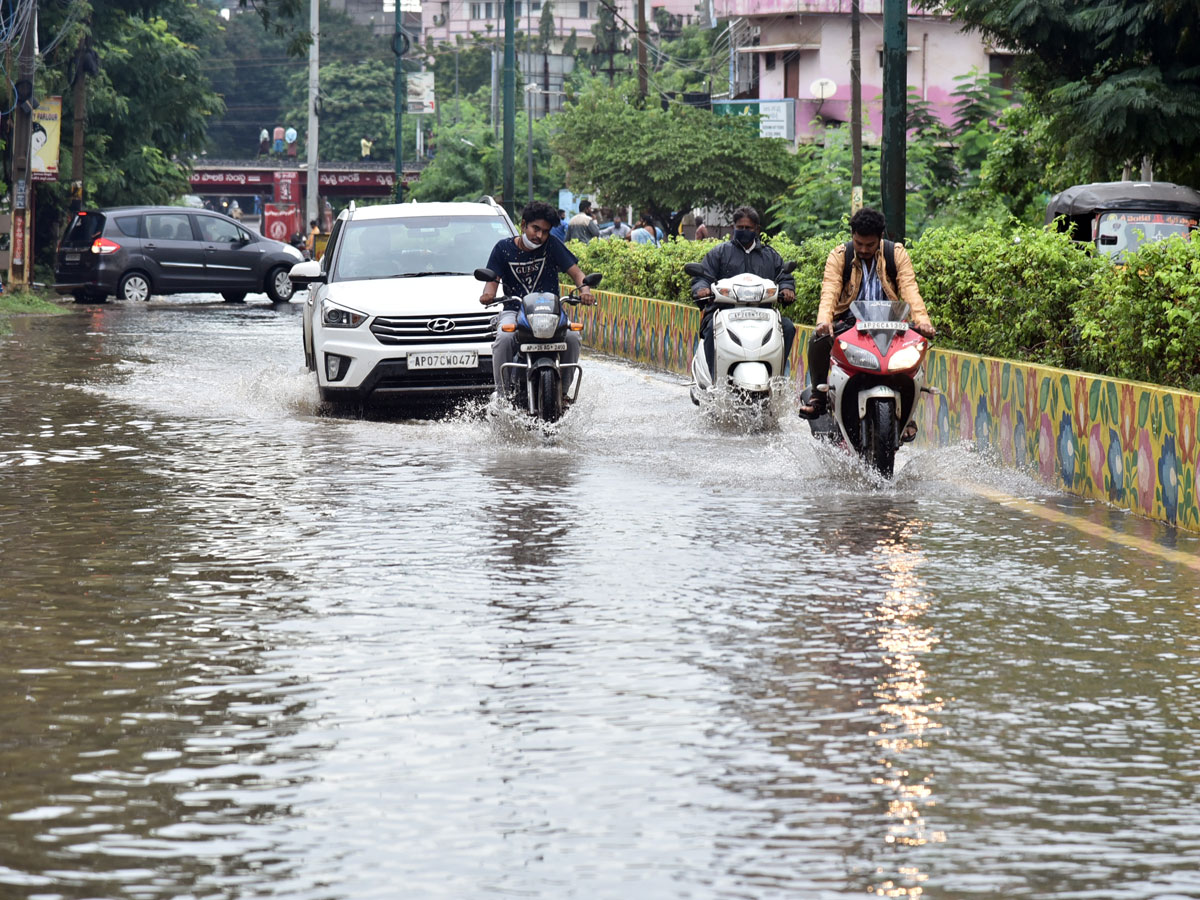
(18, 238)
(230, 178)
(287, 187)
(357, 179)
(280, 221)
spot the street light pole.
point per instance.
(895, 97)
(400, 46)
(856, 191)
(314, 84)
(529, 137)
(510, 102)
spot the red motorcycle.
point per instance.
(876, 376)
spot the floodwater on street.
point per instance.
(252, 650)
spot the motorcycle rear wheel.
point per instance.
(880, 446)
(549, 396)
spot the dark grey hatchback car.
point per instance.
(134, 252)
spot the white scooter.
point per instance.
(747, 340)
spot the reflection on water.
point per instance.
(252, 651)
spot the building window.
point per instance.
(517, 9)
(583, 9)
(480, 10)
(536, 5)
(769, 61)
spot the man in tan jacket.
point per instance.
(878, 269)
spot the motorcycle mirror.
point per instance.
(592, 280)
(694, 269)
(789, 267)
(485, 275)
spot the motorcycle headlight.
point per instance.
(860, 358)
(906, 358)
(543, 325)
(334, 316)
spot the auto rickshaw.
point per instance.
(1117, 217)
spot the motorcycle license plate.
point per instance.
(882, 326)
(544, 348)
(450, 359)
(759, 314)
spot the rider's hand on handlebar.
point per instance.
(824, 329)
(585, 296)
(487, 299)
(926, 331)
(787, 295)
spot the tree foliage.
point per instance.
(667, 161)
(1121, 76)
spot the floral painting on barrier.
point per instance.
(1132, 445)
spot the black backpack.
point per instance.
(889, 263)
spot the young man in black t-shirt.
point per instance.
(529, 263)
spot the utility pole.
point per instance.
(22, 196)
(400, 46)
(895, 104)
(510, 102)
(314, 86)
(641, 49)
(86, 63)
(529, 89)
(856, 191)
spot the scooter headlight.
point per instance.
(748, 293)
(860, 358)
(904, 359)
(543, 325)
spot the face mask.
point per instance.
(744, 236)
(528, 244)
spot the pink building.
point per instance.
(783, 48)
(446, 20)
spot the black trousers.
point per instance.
(710, 352)
(820, 349)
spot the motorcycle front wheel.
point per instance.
(549, 396)
(879, 449)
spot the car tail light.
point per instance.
(104, 246)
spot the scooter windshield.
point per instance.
(882, 319)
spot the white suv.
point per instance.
(393, 307)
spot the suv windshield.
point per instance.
(411, 247)
(1118, 233)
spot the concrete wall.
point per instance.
(1131, 445)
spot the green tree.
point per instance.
(1121, 76)
(357, 100)
(667, 161)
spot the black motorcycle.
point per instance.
(537, 378)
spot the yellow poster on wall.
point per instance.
(47, 127)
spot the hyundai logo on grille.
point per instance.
(440, 326)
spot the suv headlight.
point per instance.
(334, 316)
(543, 325)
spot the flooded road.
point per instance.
(254, 651)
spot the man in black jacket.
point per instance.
(744, 253)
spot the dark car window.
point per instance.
(130, 226)
(218, 230)
(84, 228)
(169, 227)
(331, 246)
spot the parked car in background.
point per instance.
(393, 306)
(135, 252)
(1119, 216)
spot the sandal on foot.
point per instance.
(909, 433)
(814, 409)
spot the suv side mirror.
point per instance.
(305, 273)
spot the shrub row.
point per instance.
(1015, 292)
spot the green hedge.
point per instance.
(1009, 291)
